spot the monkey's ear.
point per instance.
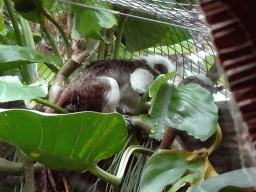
(140, 80)
(161, 68)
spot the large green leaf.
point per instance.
(12, 56)
(242, 178)
(91, 21)
(142, 34)
(165, 167)
(2, 27)
(11, 89)
(72, 142)
(190, 108)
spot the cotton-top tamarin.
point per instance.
(104, 85)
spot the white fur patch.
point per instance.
(140, 80)
(158, 59)
(112, 97)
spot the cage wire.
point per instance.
(190, 50)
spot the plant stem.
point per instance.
(66, 42)
(121, 23)
(137, 121)
(15, 168)
(29, 72)
(15, 23)
(102, 46)
(169, 136)
(141, 103)
(29, 174)
(116, 180)
(217, 140)
(55, 107)
(49, 37)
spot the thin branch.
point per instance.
(121, 23)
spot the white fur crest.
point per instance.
(158, 59)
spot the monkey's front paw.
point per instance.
(128, 122)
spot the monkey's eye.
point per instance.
(161, 68)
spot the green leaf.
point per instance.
(12, 56)
(141, 34)
(242, 178)
(71, 141)
(11, 89)
(190, 108)
(165, 167)
(91, 21)
(48, 4)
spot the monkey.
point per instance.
(104, 85)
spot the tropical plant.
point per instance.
(80, 140)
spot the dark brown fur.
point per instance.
(87, 91)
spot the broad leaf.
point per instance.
(29, 9)
(12, 56)
(141, 34)
(72, 142)
(11, 89)
(165, 167)
(242, 178)
(91, 21)
(190, 108)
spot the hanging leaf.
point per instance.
(91, 21)
(28, 9)
(190, 108)
(227, 182)
(72, 142)
(11, 89)
(165, 167)
(12, 56)
(142, 34)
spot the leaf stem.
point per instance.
(116, 180)
(15, 23)
(66, 42)
(29, 174)
(217, 140)
(48, 104)
(49, 37)
(29, 72)
(121, 23)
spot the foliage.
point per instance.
(49, 139)
(11, 89)
(145, 34)
(183, 108)
(90, 22)
(174, 167)
(236, 181)
(77, 141)
(12, 56)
